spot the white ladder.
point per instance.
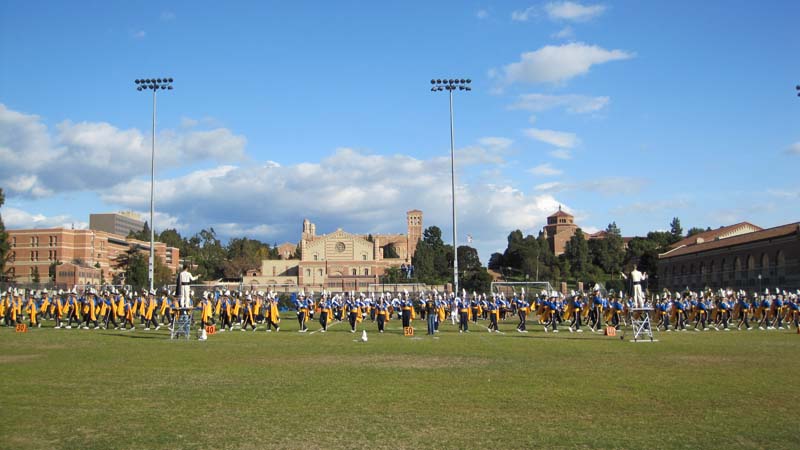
(182, 324)
(641, 324)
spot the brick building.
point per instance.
(559, 230)
(40, 248)
(740, 256)
(69, 275)
(339, 260)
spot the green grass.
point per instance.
(110, 389)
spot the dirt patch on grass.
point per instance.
(12, 359)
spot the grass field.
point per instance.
(110, 389)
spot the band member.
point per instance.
(743, 311)
(32, 309)
(272, 317)
(150, 318)
(325, 312)
(302, 313)
(129, 313)
(407, 310)
(523, 309)
(226, 312)
(494, 313)
(89, 310)
(248, 316)
(382, 314)
(463, 308)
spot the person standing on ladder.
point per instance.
(185, 279)
(636, 280)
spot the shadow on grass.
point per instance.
(136, 336)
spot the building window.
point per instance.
(366, 271)
(308, 272)
(355, 272)
(320, 272)
(316, 257)
(363, 256)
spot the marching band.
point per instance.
(110, 308)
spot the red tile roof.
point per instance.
(713, 235)
(560, 213)
(769, 233)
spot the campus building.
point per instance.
(35, 250)
(559, 230)
(739, 256)
(339, 260)
(121, 223)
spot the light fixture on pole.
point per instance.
(153, 84)
(451, 85)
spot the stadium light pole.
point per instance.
(451, 85)
(153, 84)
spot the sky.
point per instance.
(631, 112)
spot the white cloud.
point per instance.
(96, 155)
(140, 34)
(546, 170)
(354, 190)
(15, 218)
(167, 16)
(573, 11)
(560, 139)
(495, 143)
(564, 33)
(524, 15)
(785, 194)
(793, 149)
(561, 153)
(607, 186)
(556, 64)
(576, 104)
(553, 186)
(482, 14)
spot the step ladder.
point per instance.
(642, 328)
(182, 324)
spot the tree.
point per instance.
(468, 259)
(433, 261)
(611, 250)
(477, 281)
(576, 253)
(35, 275)
(133, 265)
(496, 262)
(389, 251)
(172, 238)
(141, 235)
(393, 275)
(433, 236)
(51, 270)
(675, 230)
(162, 275)
(5, 246)
(694, 230)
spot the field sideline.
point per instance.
(111, 389)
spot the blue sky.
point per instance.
(634, 112)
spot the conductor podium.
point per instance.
(640, 320)
(182, 324)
